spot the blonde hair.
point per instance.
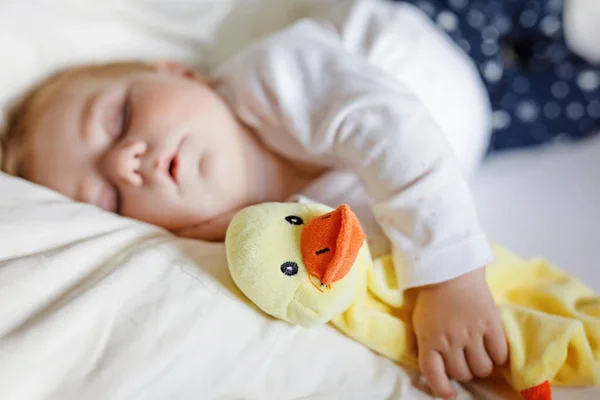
(25, 112)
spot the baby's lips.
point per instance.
(330, 244)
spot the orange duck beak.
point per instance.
(330, 244)
(539, 392)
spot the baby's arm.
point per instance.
(311, 100)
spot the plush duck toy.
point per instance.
(308, 264)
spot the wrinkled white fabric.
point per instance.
(96, 306)
(359, 89)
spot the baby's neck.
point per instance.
(274, 178)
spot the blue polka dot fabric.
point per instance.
(539, 90)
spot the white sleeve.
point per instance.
(403, 41)
(311, 100)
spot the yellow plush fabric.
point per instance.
(260, 241)
(551, 321)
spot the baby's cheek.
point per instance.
(151, 209)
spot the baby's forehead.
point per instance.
(76, 83)
(54, 100)
(71, 88)
(72, 79)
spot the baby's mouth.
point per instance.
(173, 167)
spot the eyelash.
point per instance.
(125, 116)
(125, 119)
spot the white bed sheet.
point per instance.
(94, 306)
(546, 202)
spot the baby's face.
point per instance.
(156, 146)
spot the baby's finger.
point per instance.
(431, 364)
(495, 343)
(478, 359)
(456, 365)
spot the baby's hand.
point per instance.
(459, 332)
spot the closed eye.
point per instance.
(118, 116)
(125, 116)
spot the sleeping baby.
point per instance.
(368, 104)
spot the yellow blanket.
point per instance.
(552, 322)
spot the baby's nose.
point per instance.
(127, 162)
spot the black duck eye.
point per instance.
(294, 220)
(289, 268)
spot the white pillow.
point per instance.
(38, 36)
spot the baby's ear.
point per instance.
(176, 68)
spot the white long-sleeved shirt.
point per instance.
(349, 91)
